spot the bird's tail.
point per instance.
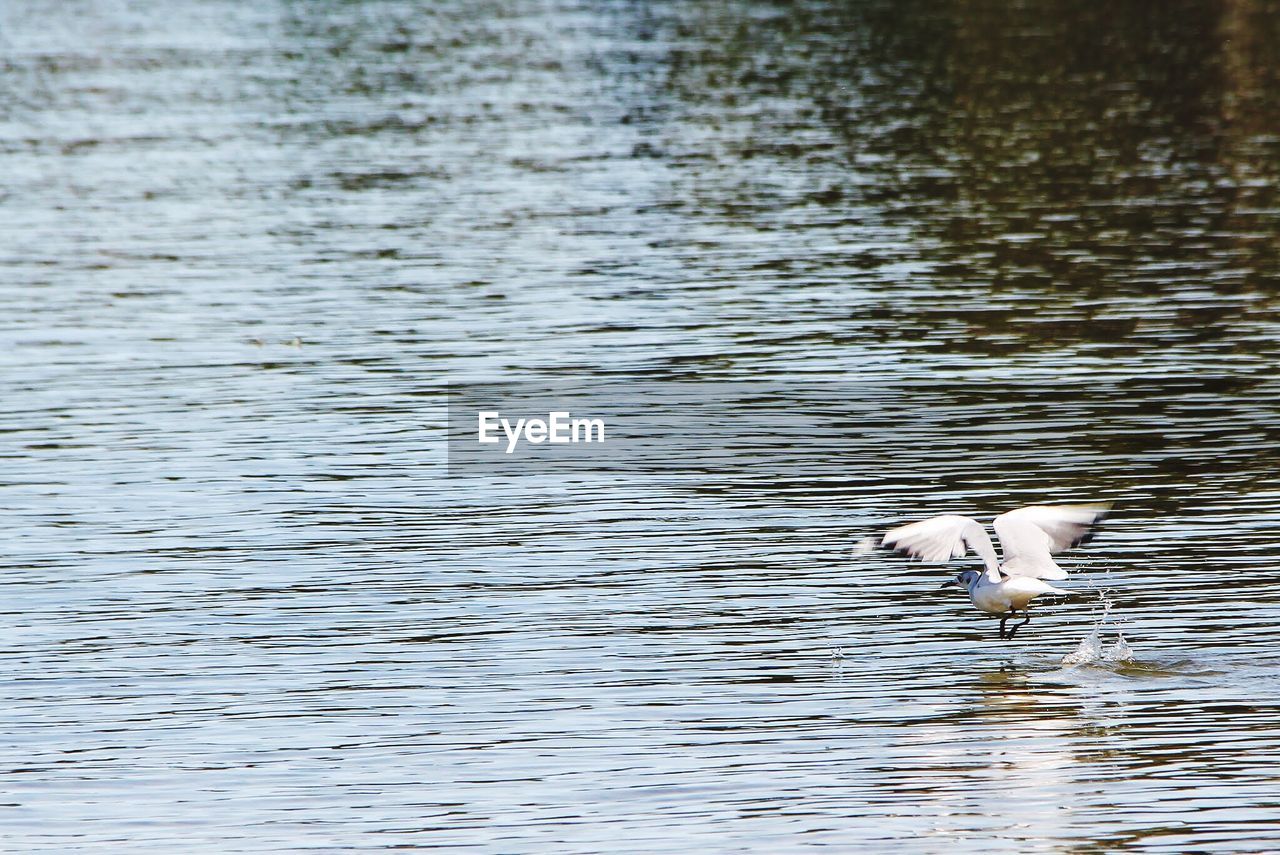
(1059, 591)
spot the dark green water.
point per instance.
(246, 247)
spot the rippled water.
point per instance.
(245, 248)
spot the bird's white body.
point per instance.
(1011, 594)
(1028, 538)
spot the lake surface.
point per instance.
(247, 248)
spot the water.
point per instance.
(245, 247)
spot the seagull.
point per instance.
(1029, 537)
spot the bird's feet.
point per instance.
(1007, 634)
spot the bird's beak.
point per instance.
(952, 584)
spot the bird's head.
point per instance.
(965, 580)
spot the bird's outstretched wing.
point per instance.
(939, 539)
(1030, 536)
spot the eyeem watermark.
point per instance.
(559, 428)
(804, 434)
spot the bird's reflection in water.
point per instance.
(1012, 743)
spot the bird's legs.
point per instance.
(1026, 619)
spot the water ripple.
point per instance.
(245, 249)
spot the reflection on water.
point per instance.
(244, 248)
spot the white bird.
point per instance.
(1028, 538)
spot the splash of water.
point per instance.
(1091, 650)
(1088, 650)
(836, 662)
(1120, 651)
